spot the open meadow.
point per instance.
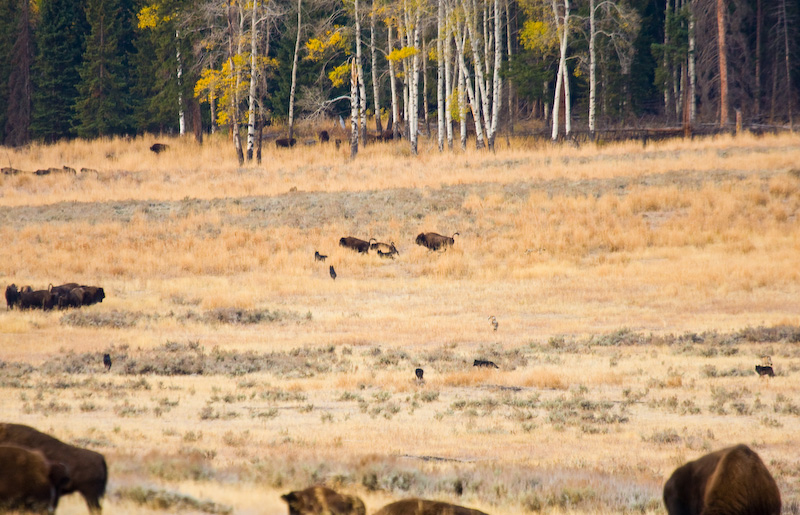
(635, 289)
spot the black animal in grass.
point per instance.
(333, 273)
(484, 363)
(419, 372)
(319, 257)
(765, 371)
(159, 147)
(107, 361)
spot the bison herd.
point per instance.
(37, 469)
(70, 295)
(429, 240)
(732, 481)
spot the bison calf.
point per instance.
(321, 500)
(732, 481)
(87, 469)
(28, 481)
(425, 507)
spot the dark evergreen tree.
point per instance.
(59, 43)
(18, 120)
(104, 104)
(8, 35)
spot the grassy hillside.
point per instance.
(635, 289)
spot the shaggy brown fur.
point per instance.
(425, 507)
(28, 482)
(12, 296)
(434, 241)
(319, 500)
(39, 299)
(732, 481)
(87, 469)
(360, 246)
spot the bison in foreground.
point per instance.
(28, 481)
(425, 507)
(434, 241)
(360, 246)
(86, 469)
(321, 500)
(12, 296)
(732, 481)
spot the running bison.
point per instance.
(732, 481)
(425, 507)
(434, 241)
(321, 500)
(360, 246)
(28, 481)
(86, 469)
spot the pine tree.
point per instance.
(59, 42)
(104, 105)
(8, 35)
(18, 120)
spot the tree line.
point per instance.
(452, 68)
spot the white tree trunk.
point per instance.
(393, 85)
(181, 110)
(212, 105)
(294, 71)
(567, 96)
(448, 81)
(562, 81)
(251, 118)
(440, 75)
(471, 94)
(592, 69)
(462, 105)
(237, 142)
(353, 109)
(691, 69)
(375, 85)
(362, 86)
(413, 119)
(480, 82)
(497, 84)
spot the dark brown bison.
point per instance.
(62, 294)
(765, 371)
(732, 481)
(324, 137)
(425, 507)
(434, 241)
(39, 299)
(319, 500)
(12, 296)
(360, 246)
(285, 142)
(87, 469)
(93, 295)
(159, 147)
(28, 481)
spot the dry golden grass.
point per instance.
(624, 280)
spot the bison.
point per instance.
(39, 299)
(157, 148)
(484, 363)
(425, 507)
(732, 481)
(87, 469)
(434, 241)
(285, 142)
(360, 246)
(12, 296)
(62, 294)
(321, 500)
(93, 295)
(324, 137)
(28, 481)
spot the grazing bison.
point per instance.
(484, 363)
(319, 257)
(159, 147)
(425, 507)
(732, 481)
(93, 295)
(12, 296)
(765, 371)
(319, 500)
(39, 299)
(28, 481)
(86, 469)
(434, 241)
(285, 142)
(360, 246)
